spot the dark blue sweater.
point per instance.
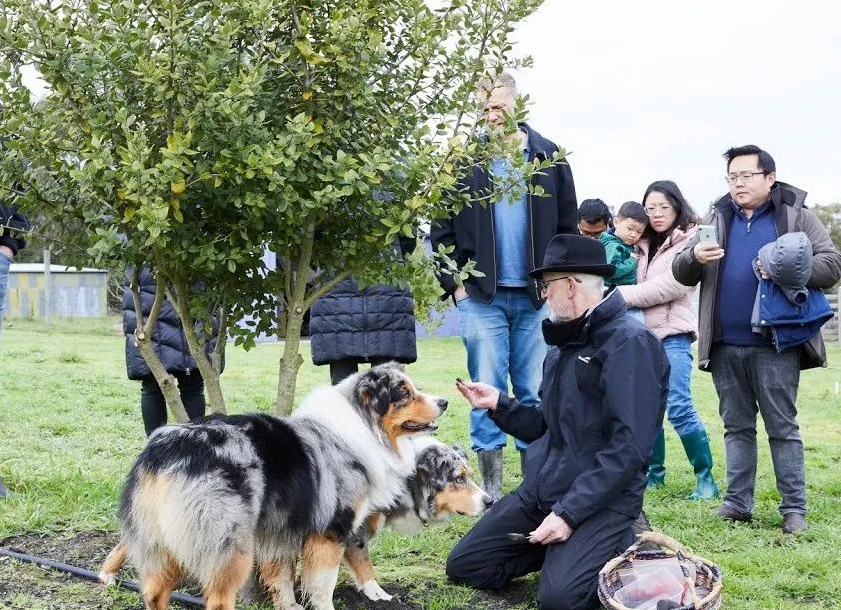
(738, 280)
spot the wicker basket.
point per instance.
(707, 574)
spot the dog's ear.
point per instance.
(374, 391)
(460, 452)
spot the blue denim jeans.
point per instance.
(503, 338)
(679, 407)
(4, 282)
(636, 314)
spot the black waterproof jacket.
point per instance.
(376, 322)
(168, 337)
(12, 223)
(471, 231)
(602, 403)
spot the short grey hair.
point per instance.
(592, 283)
(505, 79)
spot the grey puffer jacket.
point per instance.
(789, 215)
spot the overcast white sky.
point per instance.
(647, 90)
(651, 89)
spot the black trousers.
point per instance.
(153, 403)
(486, 559)
(342, 369)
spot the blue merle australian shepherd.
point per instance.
(440, 486)
(208, 499)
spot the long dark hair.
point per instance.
(686, 216)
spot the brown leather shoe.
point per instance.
(794, 523)
(728, 513)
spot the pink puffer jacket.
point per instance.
(669, 306)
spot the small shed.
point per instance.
(73, 292)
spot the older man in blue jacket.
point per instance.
(605, 382)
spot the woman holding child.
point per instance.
(670, 314)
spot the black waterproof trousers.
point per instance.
(486, 559)
(153, 403)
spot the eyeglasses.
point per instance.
(744, 177)
(663, 207)
(543, 285)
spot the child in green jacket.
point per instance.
(619, 242)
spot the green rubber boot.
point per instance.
(657, 462)
(697, 447)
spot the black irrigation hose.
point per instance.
(125, 584)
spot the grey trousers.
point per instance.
(758, 379)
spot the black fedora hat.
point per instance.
(575, 254)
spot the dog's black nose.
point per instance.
(488, 501)
(442, 404)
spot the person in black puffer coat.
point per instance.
(376, 324)
(12, 225)
(170, 345)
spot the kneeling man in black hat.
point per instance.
(605, 382)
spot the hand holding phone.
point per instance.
(707, 234)
(707, 250)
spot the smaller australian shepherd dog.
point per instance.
(208, 499)
(440, 486)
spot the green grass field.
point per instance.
(70, 427)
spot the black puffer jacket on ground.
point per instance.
(376, 322)
(168, 337)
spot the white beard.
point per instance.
(558, 316)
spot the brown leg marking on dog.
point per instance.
(320, 569)
(279, 578)
(221, 591)
(112, 564)
(358, 559)
(158, 586)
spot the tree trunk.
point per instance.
(143, 340)
(166, 381)
(209, 373)
(291, 360)
(297, 273)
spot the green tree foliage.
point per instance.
(192, 135)
(830, 216)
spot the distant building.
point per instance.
(73, 293)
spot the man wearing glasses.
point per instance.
(749, 373)
(604, 389)
(500, 312)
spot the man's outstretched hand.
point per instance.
(480, 395)
(553, 529)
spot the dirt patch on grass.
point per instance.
(26, 586)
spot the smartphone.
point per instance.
(706, 234)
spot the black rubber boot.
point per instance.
(490, 466)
